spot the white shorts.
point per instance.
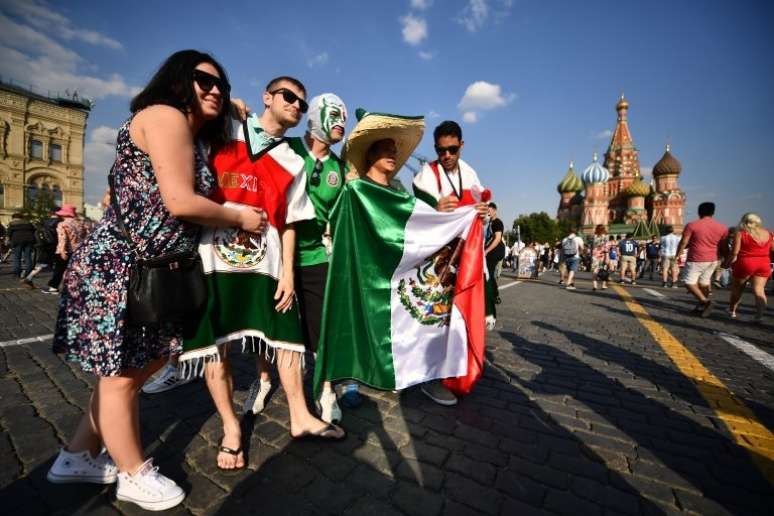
(699, 272)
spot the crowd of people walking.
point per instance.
(707, 254)
(43, 245)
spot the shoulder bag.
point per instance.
(170, 288)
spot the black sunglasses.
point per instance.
(314, 179)
(206, 81)
(290, 97)
(452, 149)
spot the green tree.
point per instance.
(540, 227)
(39, 208)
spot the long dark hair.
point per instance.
(172, 85)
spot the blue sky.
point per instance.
(534, 84)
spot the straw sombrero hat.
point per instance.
(406, 131)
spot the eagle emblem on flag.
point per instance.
(239, 248)
(428, 298)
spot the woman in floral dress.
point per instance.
(162, 185)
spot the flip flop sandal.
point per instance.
(230, 451)
(322, 435)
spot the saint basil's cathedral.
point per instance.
(616, 196)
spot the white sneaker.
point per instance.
(167, 380)
(149, 489)
(330, 412)
(490, 322)
(256, 398)
(70, 467)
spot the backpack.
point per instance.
(569, 247)
(45, 234)
(613, 254)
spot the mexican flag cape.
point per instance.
(404, 301)
(242, 268)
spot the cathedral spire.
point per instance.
(621, 156)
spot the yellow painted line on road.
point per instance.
(11, 289)
(741, 422)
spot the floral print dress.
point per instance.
(91, 327)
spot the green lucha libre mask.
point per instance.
(326, 112)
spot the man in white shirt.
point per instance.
(572, 245)
(515, 250)
(669, 243)
(446, 184)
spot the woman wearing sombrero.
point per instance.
(390, 317)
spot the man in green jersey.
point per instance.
(324, 180)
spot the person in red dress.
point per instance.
(751, 259)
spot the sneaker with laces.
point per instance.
(256, 397)
(436, 391)
(72, 467)
(167, 380)
(149, 489)
(328, 405)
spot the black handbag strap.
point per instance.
(120, 217)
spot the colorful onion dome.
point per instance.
(595, 173)
(571, 182)
(638, 188)
(667, 165)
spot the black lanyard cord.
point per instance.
(459, 178)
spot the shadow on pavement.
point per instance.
(694, 456)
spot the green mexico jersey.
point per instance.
(323, 188)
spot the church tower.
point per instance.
(622, 161)
(595, 203)
(669, 200)
(569, 189)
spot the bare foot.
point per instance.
(312, 425)
(234, 458)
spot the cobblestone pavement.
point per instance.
(580, 411)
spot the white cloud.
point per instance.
(318, 60)
(99, 154)
(602, 135)
(482, 96)
(421, 5)
(646, 171)
(427, 56)
(476, 13)
(41, 16)
(31, 55)
(414, 29)
(44, 74)
(433, 114)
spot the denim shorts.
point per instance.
(572, 263)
